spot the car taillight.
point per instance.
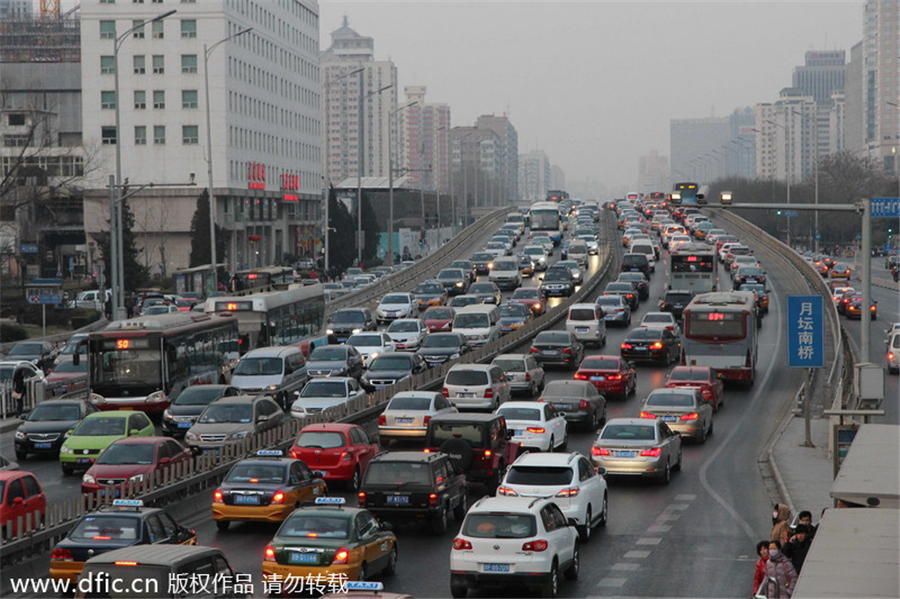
(538, 430)
(488, 393)
(61, 554)
(583, 405)
(269, 554)
(691, 416)
(570, 492)
(445, 392)
(527, 377)
(706, 393)
(657, 345)
(507, 492)
(427, 420)
(278, 497)
(568, 350)
(534, 350)
(890, 356)
(361, 497)
(217, 496)
(382, 420)
(748, 363)
(670, 328)
(580, 376)
(648, 415)
(461, 544)
(599, 451)
(626, 346)
(614, 377)
(295, 454)
(341, 556)
(433, 500)
(653, 453)
(539, 545)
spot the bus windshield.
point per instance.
(542, 220)
(720, 325)
(139, 366)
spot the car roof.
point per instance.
(481, 367)
(6, 475)
(111, 414)
(547, 459)
(510, 356)
(141, 441)
(509, 504)
(671, 390)
(634, 421)
(521, 404)
(155, 555)
(331, 427)
(569, 386)
(467, 417)
(275, 351)
(238, 399)
(406, 456)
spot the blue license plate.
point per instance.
(404, 420)
(398, 499)
(626, 454)
(668, 418)
(581, 330)
(598, 378)
(561, 406)
(496, 567)
(185, 424)
(246, 499)
(303, 558)
(43, 445)
(83, 460)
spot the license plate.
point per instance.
(404, 499)
(246, 499)
(598, 378)
(465, 395)
(210, 452)
(668, 418)
(561, 406)
(341, 339)
(43, 445)
(124, 408)
(496, 567)
(506, 329)
(303, 558)
(581, 329)
(319, 473)
(404, 420)
(519, 433)
(626, 454)
(83, 460)
(185, 424)
(548, 352)
(638, 348)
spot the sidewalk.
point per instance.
(804, 474)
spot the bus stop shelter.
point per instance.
(870, 474)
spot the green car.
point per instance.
(83, 444)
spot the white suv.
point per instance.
(514, 540)
(578, 489)
(396, 305)
(476, 386)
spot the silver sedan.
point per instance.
(638, 447)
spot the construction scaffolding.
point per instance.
(48, 39)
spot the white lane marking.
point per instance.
(774, 358)
(637, 554)
(677, 506)
(628, 566)
(611, 582)
(667, 516)
(685, 497)
(649, 541)
(657, 528)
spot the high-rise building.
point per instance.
(881, 82)
(16, 9)
(824, 72)
(534, 176)
(476, 163)
(424, 152)
(854, 128)
(696, 151)
(353, 80)
(264, 106)
(653, 173)
(508, 155)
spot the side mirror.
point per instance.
(164, 461)
(510, 434)
(387, 526)
(134, 431)
(18, 501)
(600, 470)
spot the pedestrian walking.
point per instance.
(19, 390)
(762, 550)
(129, 306)
(781, 515)
(798, 546)
(782, 571)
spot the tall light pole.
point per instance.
(391, 179)
(212, 284)
(117, 270)
(361, 162)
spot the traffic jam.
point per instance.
(487, 448)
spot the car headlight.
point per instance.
(87, 479)
(20, 435)
(239, 435)
(156, 396)
(459, 284)
(339, 371)
(329, 331)
(355, 331)
(490, 265)
(65, 449)
(136, 478)
(454, 356)
(190, 436)
(167, 414)
(373, 355)
(272, 388)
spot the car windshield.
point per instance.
(557, 275)
(348, 317)
(442, 341)
(676, 400)
(100, 427)
(510, 365)
(630, 432)
(258, 367)
(467, 378)
(403, 326)
(322, 526)
(410, 402)
(318, 388)
(221, 413)
(461, 301)
(534, 251)
(198, 395)
(396, 473)
(365, 341)
(482, 288)
(499, 526)
(513, 311)
(471, 321)
(127, 453)
(506, 265)
(516, 413)
(428, 289)
(582, 314)
(75, 343)
(678, 298)
(552, 476)
(619, 288)
(395, 298)
(450, 273)
(600, 364)
(328, 354)
(390, 363)
(26, 349)
(49, 411)
(608, 300)
(438, 314)
(70, 366)
(482, 257)
(555, 337)
(320, 439)
(257, 473)
(527, 294)
(106, 528)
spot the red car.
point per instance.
(20, 494)
(335, 451)
(132, 459)
(439, 319)
(611, 375)
(704, 378)
(531, 297)
(66, 377)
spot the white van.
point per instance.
(479, 323)
(587, 323)
(645, 247)
(278, 371)
(893, 350)
(506, 273)
(578, 251)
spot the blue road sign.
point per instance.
(791, 213)
(885, 207)
(50, 299)
(806, 331)
(29, 248)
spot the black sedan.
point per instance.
(483, 262)
(44, 428)
(557, 281)
(40, 353)
(651, 345)
(438, 348)
(749, 274)
(454, 280)
(489, 293)
(557, 348)
(626, 290)
(638, 278)
(389, 368)
(675, 301)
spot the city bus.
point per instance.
(721, 331)
(545, 217)
(141, 363)
(694, 266)
(293, 316)
(264, 277)
(687, 194)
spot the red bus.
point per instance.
(721, 331)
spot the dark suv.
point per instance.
(557, 281)
(636, 263)
(675, 301)
(349, 321)
(410, 486)
(477, 444)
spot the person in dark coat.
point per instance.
(798, 546)
(19, 389)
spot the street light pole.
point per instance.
(212, 284)
(391, 179)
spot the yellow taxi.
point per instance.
(330, 540)
(840, 271)
(265, 488)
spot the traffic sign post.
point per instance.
(885, 207)
(806, 331)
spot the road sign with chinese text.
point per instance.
(806, 331)
(885, 208)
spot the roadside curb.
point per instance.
(768, 457)
(9, 424)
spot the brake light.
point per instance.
(534, 350)
(461, 544)
(126, 563)
(361, 496)
(614, 377)
(295, 454)
(670, 328)
(278, 497)
(568, 350)
(657, 345)
(445, 392)
(342, 556)
(488, 453)
(539, 545)
(626, 346)
(890, 355)
(570, 492)
(427, 419)
(217, 496)
(706, 393)
(580, 376)
(269, 554)
(382, 420)
(507, 492)
(103, 538)
(488, 393)
(648, 415)
(538, 430)
(599, 451)
(527, 377)
(346, 456)
(691, 416)
(653, 453)
(61, 554)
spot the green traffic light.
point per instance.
(778, 212)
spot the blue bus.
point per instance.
(687, 194)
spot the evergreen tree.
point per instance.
(136, 274)
(200, 234)
(371, 230)
(341, 241)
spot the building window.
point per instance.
(159, 135)
(107, 65)
(189, 28)
(158, 30)
(189, 98)
(188, 1)
(140, 100)
(140, 65)
(16, 119)
(190, 135)
(107, 1)
(108, 100)
(138, 26)
(107, 30)
(108, 135)
(15, 141)
(159, 99)
(159, 64)
(140, 136)
(188, 63)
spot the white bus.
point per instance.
(721, 331)
(545, 217)
(694, 267)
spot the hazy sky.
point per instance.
(595, 83)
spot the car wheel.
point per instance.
(439, 524)
(678, 464)
(604, 515)
(572, 571)
(459, 512)
(391, 567)
(703, 433)
(458, 589)
(21, 456)
(222, 524)
(552, 444)
(711, 424)
(667, 474)
(584, 531)
(550, 588)
(353, 483)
